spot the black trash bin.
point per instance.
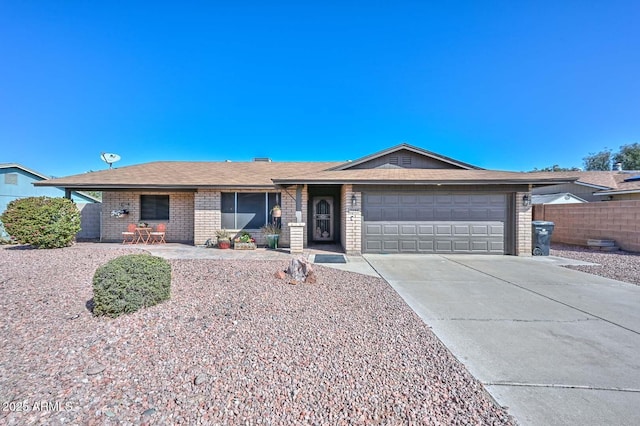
(541, 237)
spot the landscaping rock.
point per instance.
(300, 269)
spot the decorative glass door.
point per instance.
(322, 218)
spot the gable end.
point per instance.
(405, 159)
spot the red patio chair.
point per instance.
(157, 236)
(129, 236)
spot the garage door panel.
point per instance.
(411, 214)
(426, 230)
(408, 230)
(408, 246)
(480, 246)
(373, 229)
(373, 246)
(426, 246)
(391, 246)
(461, 230)
(443, 230)
(444, 246)
(461, 246)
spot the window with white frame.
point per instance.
(247, 210)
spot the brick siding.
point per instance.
(179, 225)
(523, 226)
(351, 221)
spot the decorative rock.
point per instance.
(149, 412)
(280, 275)
(300, 269)
(95, 369)
(200, 379)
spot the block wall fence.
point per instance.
(577, 223)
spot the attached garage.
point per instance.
(432, 222)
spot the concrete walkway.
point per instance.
(185, 251)
(555, 346)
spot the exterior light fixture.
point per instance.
(526, 200)
(354, 201)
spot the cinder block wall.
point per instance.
(577, 223)
(89, 221)
(179, 225)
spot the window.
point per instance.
(247, 210)
(154, 207)
(11, 178)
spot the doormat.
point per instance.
(329, 258)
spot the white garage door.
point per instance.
(434, 223)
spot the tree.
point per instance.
(598, 161)
(629, 156)
(556, 168)
(43, 222)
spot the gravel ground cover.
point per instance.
(234, 345)
(617, 265)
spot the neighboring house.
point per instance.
(596, 186)
(563, 198)
(16, 181)
(402, 199)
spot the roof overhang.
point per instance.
(627, 191)
(287, 182)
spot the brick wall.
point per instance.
(523, 226)
(577, 223)
(288, 204)
(296, 231)
(351, 221)
(179, 226)
(207, 217)
(89, 221)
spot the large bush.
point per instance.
(128, 283)
(43, 222)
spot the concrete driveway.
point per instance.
(555, 346)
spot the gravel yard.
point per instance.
(618, 265)
(234, 345)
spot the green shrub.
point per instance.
(43, 222)
(128, 283)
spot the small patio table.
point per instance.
(143, 234)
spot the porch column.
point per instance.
(523, 225)
(296, 237)
(299, 203)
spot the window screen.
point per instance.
(246, 210)
(154, 207)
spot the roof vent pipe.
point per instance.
(262, 159)
(618, 167)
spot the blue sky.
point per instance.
(503, 85)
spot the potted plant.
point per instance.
(224, 239)
(272, 234)
(276, 211)
(244, 242)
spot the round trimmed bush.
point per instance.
(43, 222)
(128, 283)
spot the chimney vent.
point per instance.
(618, 167)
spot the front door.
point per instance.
(322, 218)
